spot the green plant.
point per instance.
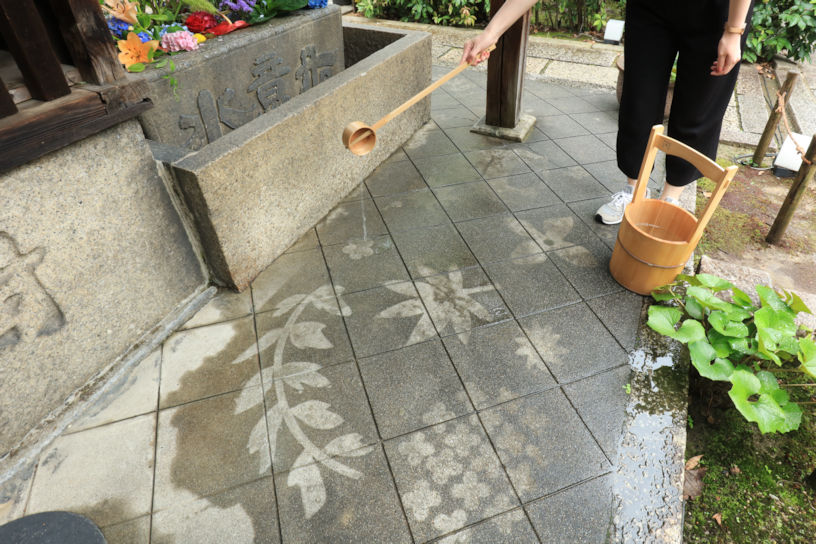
(787, 26)
(758, 350)
(441, 12)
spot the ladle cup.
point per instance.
(360, 138)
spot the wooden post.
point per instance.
(773, 121)
(30, 46)
(88, 39)
(505, 73)
(7, 106)
(803, 177)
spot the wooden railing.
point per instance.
(60, 79)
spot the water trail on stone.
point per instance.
(363, 214)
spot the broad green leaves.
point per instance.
(733, 341)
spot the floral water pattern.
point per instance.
(313, 414)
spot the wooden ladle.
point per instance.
(360, 138)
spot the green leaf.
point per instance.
(776, 331)
(714, 283)
(663, 319)
(795, 303)
(691, 280)
(720, 343)
(662, 296)
(690, 331)
(702, 353)
(694, 309)
(138, 67)
(707, 299)
(742, 345)
(807, 355)
(740, 298)
(771, 410)
(161, 64)
(726, 327)
(769, 298)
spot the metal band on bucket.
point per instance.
(638, 259)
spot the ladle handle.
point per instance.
(422, 94)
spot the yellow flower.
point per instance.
(122, 10)
(134, 51)
(200, 38)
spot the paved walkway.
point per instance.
(443, 356)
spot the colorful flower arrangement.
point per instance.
(145, 30)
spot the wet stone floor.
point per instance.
(442, 358)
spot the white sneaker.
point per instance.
(611, 213)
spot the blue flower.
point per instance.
(314, 4)
(118, 27)
(145, 37)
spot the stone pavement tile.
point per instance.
(579, 515)
(135, 531)
(456, 116)
(394, 177)
(604, 101)
(536, 136)
(546, 90)
(470, 201)
(586, 211)
(104, 473)
(365, 264)
(573, 183)
(586, 266)
(560, 126)
(14, 492)
(554, 227)
(601, 403)
(466, 140)
(311, 407)
(310, 330)
(497, 163)
(509, 528)
(573, 342)
(461, 300)
(225, 306)
(207, 361)
(419, 209)
(448, 476)
(608, 174)
(497, 364)
(208, 446)
(586, 149)
(609, 138)
(396, 156)
(597, 122)
(245, 513)
(543, 444)
(351, 501)
(361, 191)
(349, 221)
(572, 104)
(620, 312)
(434, 250)
(387, 318)
(135, 393)
(497, 238)
(446, 170)
(288, 275)
(597, 76)
(543, 155)
(309, 239)
(461, 86)
(429, 141)
(523, 192)
(412, 388)
(531, 284)
(442, 99)
(538, 107)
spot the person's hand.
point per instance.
(474, 51)
(729, 54)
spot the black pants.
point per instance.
(657, 31)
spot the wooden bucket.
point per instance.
(656, 239)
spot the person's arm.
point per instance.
(729, 51)
(508, 14)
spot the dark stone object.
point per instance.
(52, 528)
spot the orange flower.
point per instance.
(122, 10)
(134, 51)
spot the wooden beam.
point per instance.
(505, 73)
(89, 40)
(44, 127)
(773, 120)
(7, 106)
(797, 190)
(30, 46)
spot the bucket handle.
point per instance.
(710, 169)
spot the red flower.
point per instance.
(200, 21)
(225, 27)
